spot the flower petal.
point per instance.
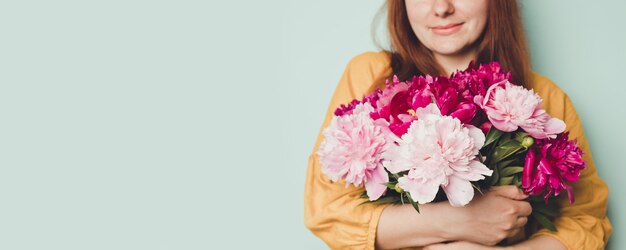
(422, 191)
(376, 187)
(477, 135)
(529, 168)
(554, 126)
(458, 191)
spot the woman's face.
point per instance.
(447, 27)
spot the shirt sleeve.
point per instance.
(332, 211)
(584, 224)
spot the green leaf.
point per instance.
(505, 181)
(550, 210)
(517, 182)
(495, 177)
(413, 203)
(505, 150)
(391, 185)
(519, 136)
(477, 188)
(397, 176)
(506, 137)
(535, 198)
(506, 163)
(508, 171)
(545, 222)
(492, 136)
(364, 196)
(383, 200)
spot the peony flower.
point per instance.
(437, 151)
(477, 78)
(347, 109)
(465, 112)
(473, 81)
(451, 101)
(393, 106)
(550, 164)
(352, 150)
(421, 91)
(509, 106)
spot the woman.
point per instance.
(438, 37)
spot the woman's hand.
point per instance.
(486, 220)
(460, 245)
(490, 218)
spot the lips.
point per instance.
(447, 29)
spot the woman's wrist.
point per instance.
(401, 226)
(452, 222)
(450, 218)
(539, 242)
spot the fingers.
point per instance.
(523, 208)
(510, 191)
(514, 232)
(521, 222)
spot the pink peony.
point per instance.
(509, 106)
(550, 164)
(393, 106)
(352, 149)
(437, 151)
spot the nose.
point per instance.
(443, 8)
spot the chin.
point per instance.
(447, 49)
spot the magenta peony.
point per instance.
(347, 109)
(509, 107)
(393, 106)
(451, 101)
(437, 151)
(352, 150)
(477, 78)
(550, 165)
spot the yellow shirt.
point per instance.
(332, 213)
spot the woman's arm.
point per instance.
(540, 242)
(401, 226)
(488, 219)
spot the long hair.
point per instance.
(502, 40)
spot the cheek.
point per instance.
(475, 10)
(417, 13)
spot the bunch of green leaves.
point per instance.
(505, 156)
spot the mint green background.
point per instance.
(187, 124)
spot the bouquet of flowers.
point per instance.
(438, 138)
